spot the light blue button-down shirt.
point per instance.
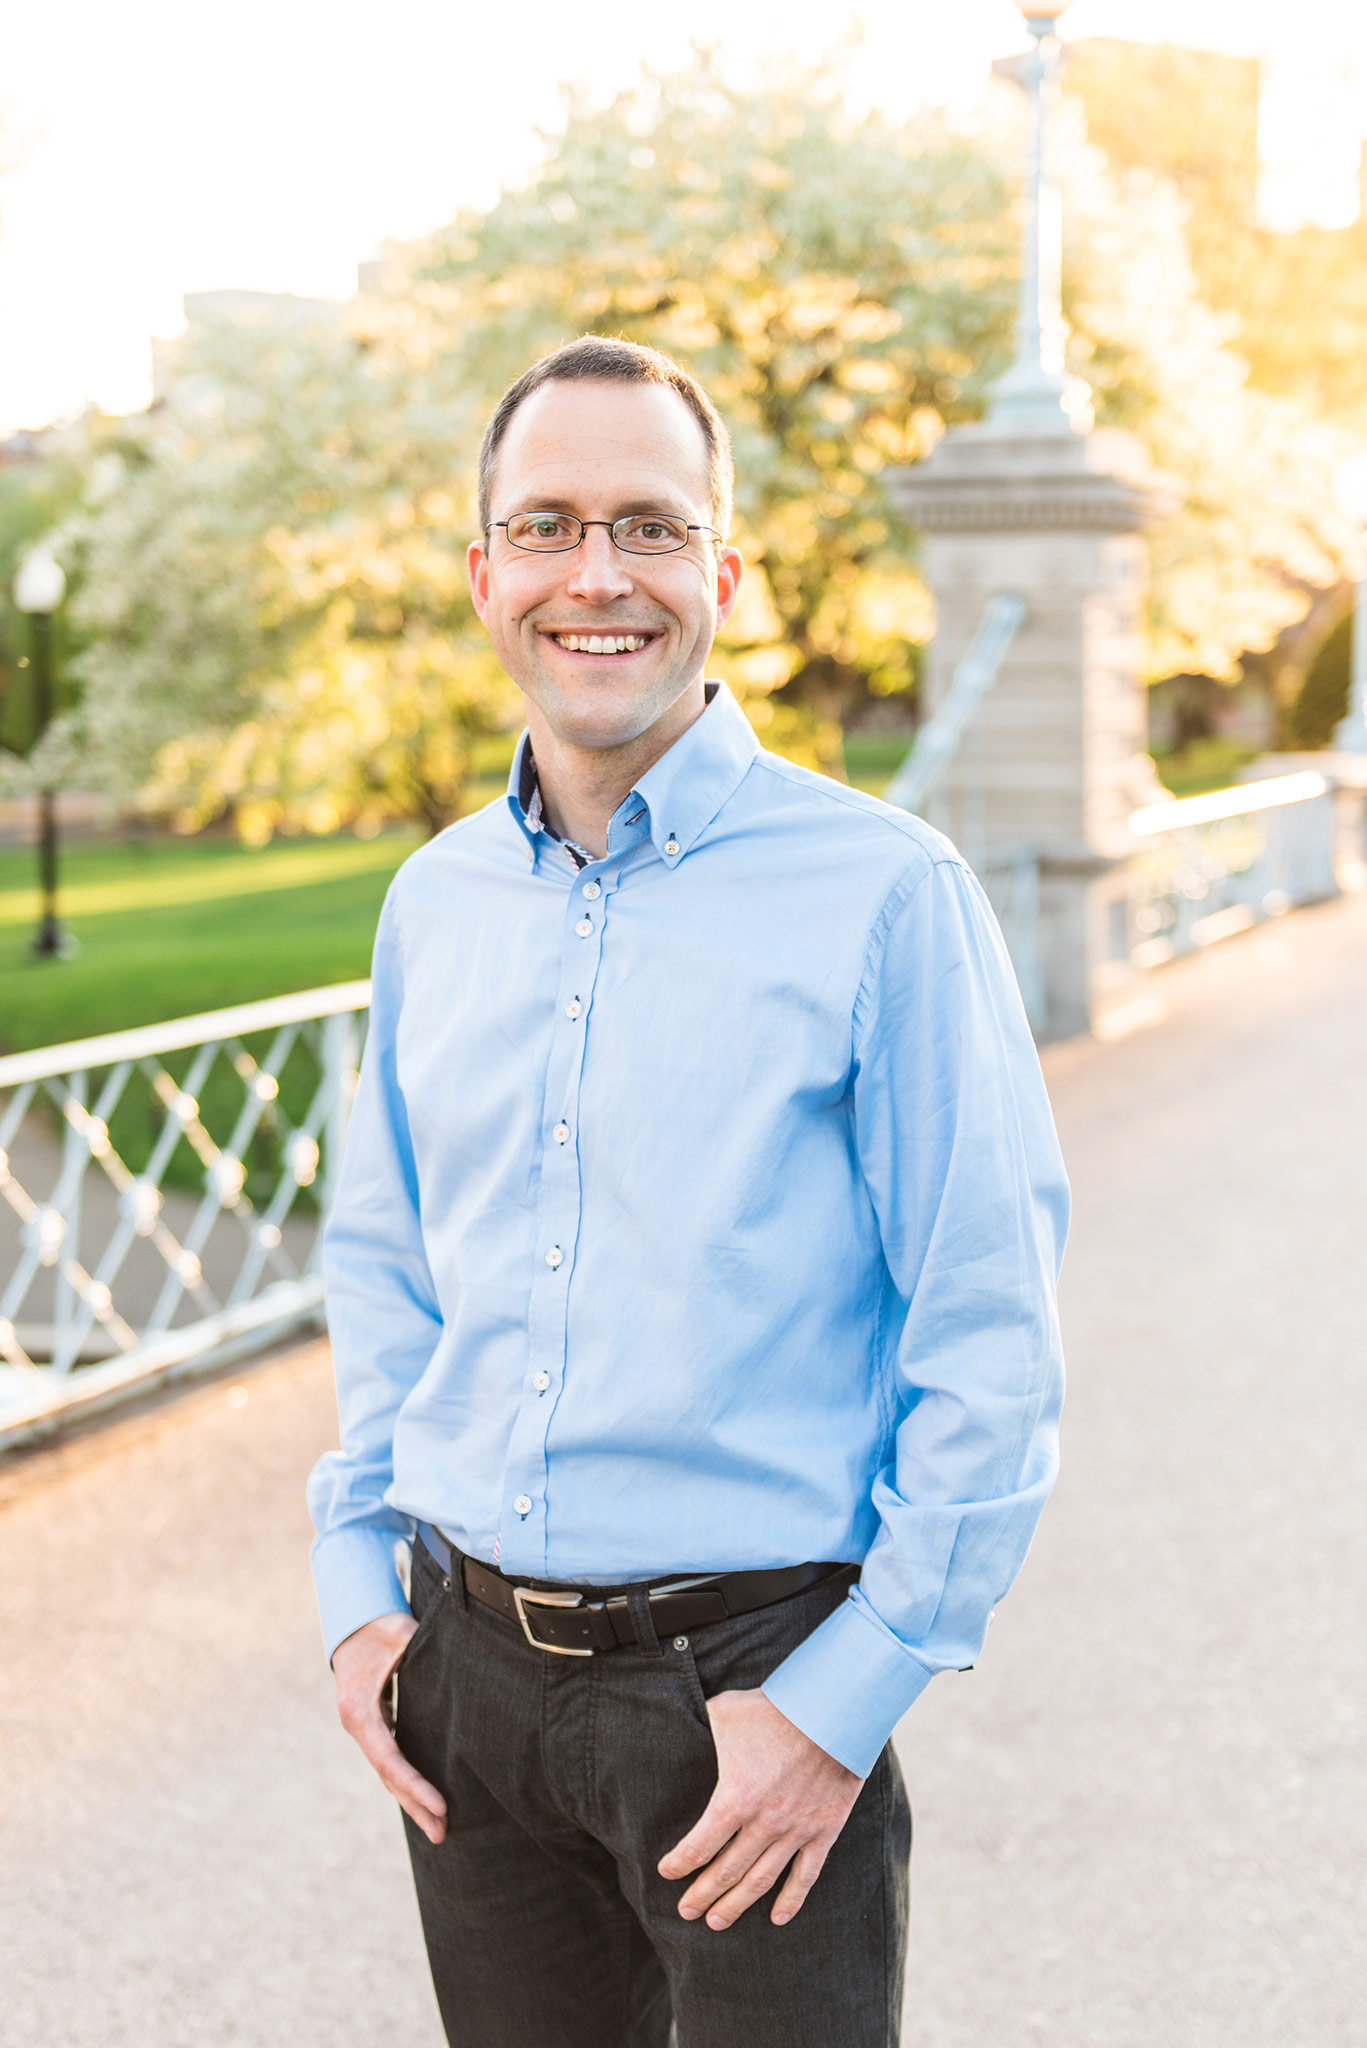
(701, 1210)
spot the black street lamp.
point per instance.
(39, 589)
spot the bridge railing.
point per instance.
(1206, 867)
(161, 1191)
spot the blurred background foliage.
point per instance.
(270, 623)
(37, 500)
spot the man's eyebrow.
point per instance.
(660, 501)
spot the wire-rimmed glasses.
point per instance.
(638, 533)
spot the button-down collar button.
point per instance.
(523, 1505)
(671, 846)
(527, 853)
(561, 1133)
(585, 927)
(572, 1008)
(555, 1257)
(541, 1382)
(592, 889)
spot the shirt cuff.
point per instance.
(356, 1578)
(848, 1685)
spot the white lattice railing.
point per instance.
(1206, 867)
(160, 1197)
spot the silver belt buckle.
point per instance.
(525, 1595)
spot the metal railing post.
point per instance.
(70, 1185)
(339, 1076)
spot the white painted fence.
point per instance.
(1206, 867)
(118, 1272)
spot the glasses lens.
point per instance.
(651, 533)
(544, 533)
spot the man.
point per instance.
(691, 1290)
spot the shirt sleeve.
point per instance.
(384, 1322)
(957, 1147)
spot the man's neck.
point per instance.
(582, 787)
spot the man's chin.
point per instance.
(599, 720)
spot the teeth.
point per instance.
(601, 643)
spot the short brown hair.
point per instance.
(615, 361)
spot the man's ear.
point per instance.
(477, 562)
(729, 570)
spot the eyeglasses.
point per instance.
(640, 533)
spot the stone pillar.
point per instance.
(1056, 757)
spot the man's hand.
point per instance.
(363, 1665)
(779, 1797)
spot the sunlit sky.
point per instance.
(156, 147)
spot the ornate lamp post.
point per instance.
(1034, 396)
(39, 589)
(1350, 734)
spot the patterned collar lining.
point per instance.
(530, 797)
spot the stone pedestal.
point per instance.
(1055, 759)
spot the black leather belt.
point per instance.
(578, 1621)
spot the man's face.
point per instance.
(602, 450)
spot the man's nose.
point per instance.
(600, 571)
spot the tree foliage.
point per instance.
(1325, 695)
(1257, 532)
(277, 606)
(1295, 301)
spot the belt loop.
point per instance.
(458, 1585)
(643, 1621)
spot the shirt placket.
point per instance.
(523, 1537)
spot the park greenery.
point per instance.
(171, 927)
(270, 619)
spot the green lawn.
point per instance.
(171, 927)
(871, 759)
(1205, 764)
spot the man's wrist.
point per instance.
(395, 1627)
(356, 1577)
(847, 1686)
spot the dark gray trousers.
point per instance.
(566, 1780)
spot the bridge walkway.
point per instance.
(1138, 1822)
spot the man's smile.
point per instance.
(615, 644)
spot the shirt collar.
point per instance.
(704, 768)
(682, 793)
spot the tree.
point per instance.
(1257, 539)
(276, 602)
(1297, 300)
(1324, 698)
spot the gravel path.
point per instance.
(1140, 1822)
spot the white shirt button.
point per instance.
(592, 889)
(555, 1257)
(541, 1382)
(585, 927)
(572, 1008)
(671, 846)
(523, 1504)
(561, 1133)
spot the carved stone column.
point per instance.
(1056, 757)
